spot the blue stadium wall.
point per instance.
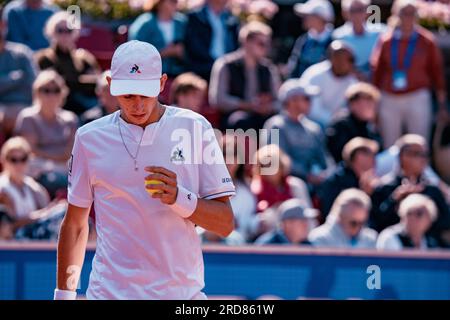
(27, 271)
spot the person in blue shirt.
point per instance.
(311, 48)
(211, 32)
(26, 20)
(164, 27)
(361, 34)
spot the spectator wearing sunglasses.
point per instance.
(417, 213)
(244, 83)
(78, 67)
(24, 198)
(409, 179)
(359, 33)
(50, 130)
(26, 20)
(345, 226)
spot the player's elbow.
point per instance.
(228, 224)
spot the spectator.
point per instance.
(78, 67)
(441, 148)
(361, 35)
(17, 73)
(271, 182)
(294, 225)
(345, 225)
(49, 130)
(6, 226)
(358, 121)
(311, 48)
(246, 80)
(244, 201)
(107, 103)
(333, 76)
(164, 28)
(417, 212)
(356, 171)
(387, 162)
(188, 91)
(407, 64)
(300, 138)
(26, 20)
(211, 32)
(413, 156)
(24, 198)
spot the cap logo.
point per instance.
(135, 69)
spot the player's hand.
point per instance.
(168, 189)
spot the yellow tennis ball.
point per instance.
(149, 182)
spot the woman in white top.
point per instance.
(417, 213)
(21, 194)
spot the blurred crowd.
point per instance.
(361, 110)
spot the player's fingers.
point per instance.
(162, 178)
(167, 172)
(162, 187)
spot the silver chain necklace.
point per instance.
(128, 151)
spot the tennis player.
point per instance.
(147, 246)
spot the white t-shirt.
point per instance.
(144, 249)
(332, 91)
(168, 30)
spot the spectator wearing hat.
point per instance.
(311, 48)
(294, 226)
(26, 20)
(407, 65)
(417, 212)
(299, 137)
(345, 225)
(357, 170)
(107, 103)
(413, 159)
(164, 27)
(244, 83)
(359, 33)
(359, 120)
(211, 32)
(333, 77)
(17, 73)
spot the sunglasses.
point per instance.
(419, 213)
(358, 10)
(356, 223)
(16, 160)
(63, 30)
(49, 91)
(417, 154)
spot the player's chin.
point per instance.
(139, 118)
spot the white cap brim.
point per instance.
(147, 88)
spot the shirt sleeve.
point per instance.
(215, 180)
(80, 192)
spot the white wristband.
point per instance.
(186, 202)
(64, 295)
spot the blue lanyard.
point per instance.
(409, 52)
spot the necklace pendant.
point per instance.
(135, 166)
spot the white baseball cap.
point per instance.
(136, 68)
(321, 8)
(296, 87)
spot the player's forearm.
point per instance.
(215, 216)
(71, 250)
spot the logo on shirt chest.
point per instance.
(177, 156)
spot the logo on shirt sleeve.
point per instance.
(70, 165)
